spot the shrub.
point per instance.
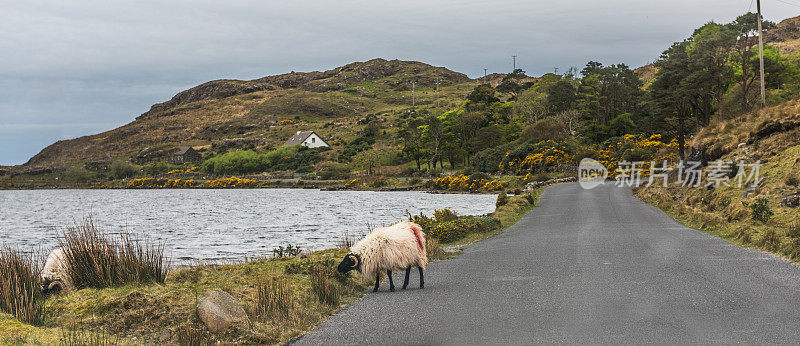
(433, 249)
(20, 292)
(324, 286)
(122, 169)
(794, 230)
(456, 229)
(792, 180)
(334, 171)
(77, 175)
(294, 157)
(442, 215)
(288, 251)
(157, 168)
(502, 199)
(760, 210)
(274, 299)
(95, 260)
(530, 198)
(475, 182)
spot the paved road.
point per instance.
(587, 266)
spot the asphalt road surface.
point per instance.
(585, 267)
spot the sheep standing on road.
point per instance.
(397, 247)
(55, 277)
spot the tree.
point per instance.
(605, 92)
(484, 94)
(710, 52)
(412, 140)
(561, 96)
(746, 29)
(531, 105)
(509, 87)
(669, 94)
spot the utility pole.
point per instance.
(555, 70)
(413, 100)
(514, 57)
(437, 93)
(484, 75)
(761, 54)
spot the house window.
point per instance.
(313, 139)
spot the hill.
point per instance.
(262, 112)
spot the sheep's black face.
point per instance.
(51, 287)
(351, 261)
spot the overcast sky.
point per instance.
(74, 68)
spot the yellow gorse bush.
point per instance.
(542, 155)
(232, 182)
(160, 183)
(185, 171)
(464, 182)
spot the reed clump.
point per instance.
(324, 286)
(20, 291)
(94, 259)
(75, 334)
(274, 300)
(193, 335)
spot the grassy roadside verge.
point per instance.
(166, 313)
(716, 214)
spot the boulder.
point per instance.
(219, 310)
(791, 201)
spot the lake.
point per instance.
(202, 225)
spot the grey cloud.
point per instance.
(97, 65)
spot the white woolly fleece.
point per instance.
(55, 269)
(396, 247)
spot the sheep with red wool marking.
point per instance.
(397, 247)
(55, 277)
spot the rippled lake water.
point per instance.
(218, 225)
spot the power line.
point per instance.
(788, 3)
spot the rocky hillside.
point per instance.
(262, 112)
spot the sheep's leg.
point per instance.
(421, 278)
(408, 272)
(377, 281)
(391, 283)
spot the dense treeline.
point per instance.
(521, 126)
(709, 75)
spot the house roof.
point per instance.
(182, 150)
(299, 137)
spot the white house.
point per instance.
(308, 139)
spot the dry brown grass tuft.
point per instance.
(324, 286)
(77, 335)
(274, 300)
(20, 291)
(93, 259)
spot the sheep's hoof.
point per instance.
(404, 287)
(375, 290)
(421, 286)
(391, 289)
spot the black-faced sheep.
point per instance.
(55, 277)
(397, 247)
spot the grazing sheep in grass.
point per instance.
(55, 277)
(397, 247)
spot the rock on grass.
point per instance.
(219, 310)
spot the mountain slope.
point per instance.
(263, 112)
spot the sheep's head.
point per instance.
(52, 287)
(350, 262)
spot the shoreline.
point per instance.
(173, 302)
